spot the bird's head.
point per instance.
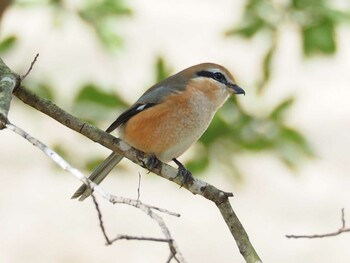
(211, 76)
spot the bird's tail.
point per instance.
(98, 175)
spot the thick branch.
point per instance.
(237, 230)
(8, 82)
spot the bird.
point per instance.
(169, 117)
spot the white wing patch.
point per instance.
(141, 107)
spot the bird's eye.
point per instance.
(219, 77)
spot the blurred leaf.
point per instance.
(162, 70)
(61, 151)
(109, 37)
(303, 4)
(267, 64)
(279, 112)
(90, 93)
(249, 29)
(93, 104)
(319, 37)
(338, 16)
(260, 143)
(258, 15)
(7, 43)
(43, 90)
(102, 15)
(297, 139)
(199, 163)
(94, 9)
(217, 129)
(93, 163)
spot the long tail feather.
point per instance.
(98, 175)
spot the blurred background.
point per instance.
(282, 149)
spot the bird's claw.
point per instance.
(153, 162)
(184, 173)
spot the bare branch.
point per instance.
(127, 237)
(31, 67)
(342, 218)
(174, 251)
(341, 230)
(8, 83)
(108, 242)
(165, 211)
(139, 187)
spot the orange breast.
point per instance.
(158, 128)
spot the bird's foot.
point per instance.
(153, 162)
(182, 171)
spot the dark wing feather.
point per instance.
(151, 97)
(126, 115)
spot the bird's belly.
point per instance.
(165, 131)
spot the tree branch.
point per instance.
(341, 230)
(8, 82)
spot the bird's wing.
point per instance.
(153, 96)
(126, 115)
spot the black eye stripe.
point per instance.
(214, 75)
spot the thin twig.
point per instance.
(342, 218)
(100, 219)
(127, 237)
(164, 211)
(31, 67)
(139, 187)
(341, 230)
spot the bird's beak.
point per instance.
(236, 89)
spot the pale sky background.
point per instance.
(39, 222)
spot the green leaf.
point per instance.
(103, 16)
(319, 37)
(98, 10)
(267, 65)
(303, 4)
(59, 149)
(93, 104)
(278, 113)
(218, 128)
(90, 93)
(109, 37)
(293, 136)
(249, 29)
(258, 144)
(43, 90)
(7, 43)
(93, 163)
(162, 70)
(199, 163)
